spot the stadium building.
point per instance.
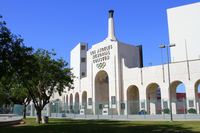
(110, 76)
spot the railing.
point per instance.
(127, 110)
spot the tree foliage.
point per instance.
(26, 75)
(51, 76)
(13, 59)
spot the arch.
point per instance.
(197, 95)
(71, 103)
(76, 104)
(153, 97)
(178, 97)
(101, 90)
(84, 99)
(133, 100)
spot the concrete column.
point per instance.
(191, 96)
(173, 107)
(173, 101)
(164, 88)
(142, 98)
(125, 102)
(143, 104)
(152, 108)
(111, 29)
(126, 108)
(198, 106)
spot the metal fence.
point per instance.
(128, 110)
(12, 109)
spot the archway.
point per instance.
(71, 103)
(84, 100)
(133, 100)
(101, 91)
(197, 95)
(76, 104)
(178, 97)
(153, 96)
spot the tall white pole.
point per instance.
(169, 89)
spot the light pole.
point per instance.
(167, 48)
(163, 70)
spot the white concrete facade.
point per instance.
(116, 79)
(184, 31)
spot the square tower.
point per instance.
(184, 31)
(78, 60)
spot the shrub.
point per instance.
(166, 111)
(142, 112)
(192, 111)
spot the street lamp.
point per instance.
(163, 70)
(167, 48)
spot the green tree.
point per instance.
(5, 66)
(19, 95)
(14, 58)
(25, 75)
(50, 76)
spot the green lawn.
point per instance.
(103, 126)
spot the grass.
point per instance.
(103, 126)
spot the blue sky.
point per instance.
(61, 24)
